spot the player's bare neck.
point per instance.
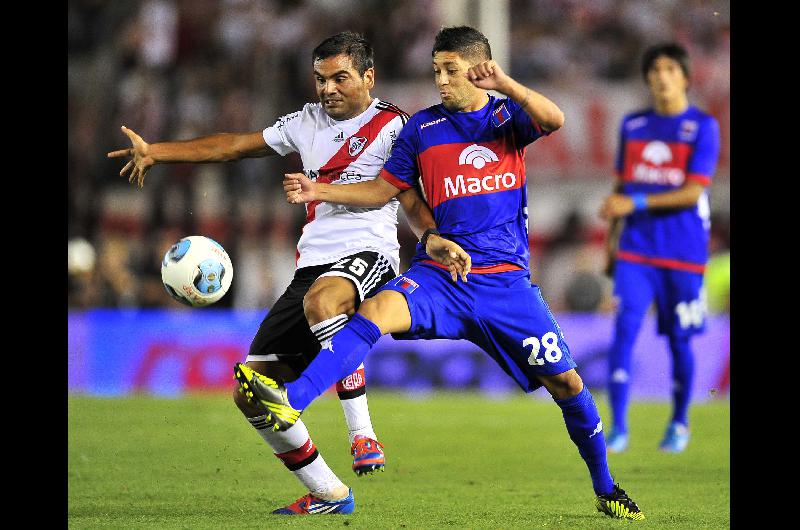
(671, 107)
(476, 104)
(359, 110)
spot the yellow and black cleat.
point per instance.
(269, 393)
(618, 505)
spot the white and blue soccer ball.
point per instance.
(196, 271)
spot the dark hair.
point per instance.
(349, 43)
(674, 51)
(468, 42)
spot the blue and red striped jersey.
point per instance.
(658, 154)
(470, 168)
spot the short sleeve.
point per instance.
(281, 136)
(401, 170)
(704, 159)
(525, 129)
(389, 136)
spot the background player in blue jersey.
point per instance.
(658, 239)
(466, 156)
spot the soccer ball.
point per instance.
(196, 271)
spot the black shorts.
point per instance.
(285, 332)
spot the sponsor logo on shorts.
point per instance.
(406, 284)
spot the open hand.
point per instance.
(447, 253)
(140, 163)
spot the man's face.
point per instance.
(666, 79)
(450, 74)
(342, 91)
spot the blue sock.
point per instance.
(682, 375)
(619, 369)
(348, 349)
(586, 431)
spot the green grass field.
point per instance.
(454, 460)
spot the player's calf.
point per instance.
(269, 368)
(269, 393)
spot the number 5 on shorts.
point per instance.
(552, 352)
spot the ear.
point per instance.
(369, 78)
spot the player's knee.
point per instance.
(564, 385)
(319, 305)
(370, 309)
(388, 310)
(630, 316)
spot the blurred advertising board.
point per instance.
(167, 353)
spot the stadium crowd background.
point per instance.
(178, 69)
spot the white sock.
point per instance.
(299, 454)
(352, 389)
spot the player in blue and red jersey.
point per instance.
(666, 159)
(466, 157)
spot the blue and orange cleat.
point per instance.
(675, 439)
(367, 454)
(311, 505)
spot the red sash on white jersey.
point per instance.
(342, 158)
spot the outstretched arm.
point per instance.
(373, 193)
(488, 75)
(214, 148)
(376, 193)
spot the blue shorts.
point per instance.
(502, 313)
(679, 296)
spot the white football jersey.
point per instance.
(342, 152)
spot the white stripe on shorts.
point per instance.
(267, 357)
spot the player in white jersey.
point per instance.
(344, 254)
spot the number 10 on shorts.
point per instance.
(552, 353)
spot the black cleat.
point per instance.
(617, 504)
(261, 390)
